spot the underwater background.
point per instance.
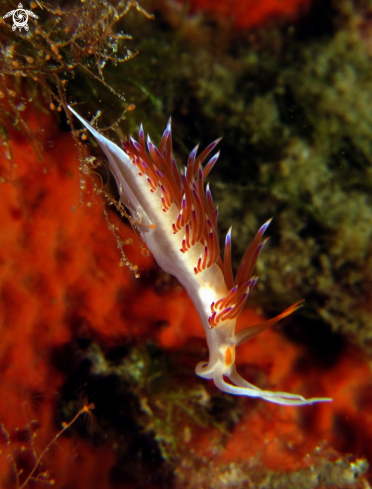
(98, 345)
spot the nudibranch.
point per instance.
(177, 220)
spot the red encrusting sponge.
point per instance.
(245, 14)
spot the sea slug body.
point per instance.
(178, 222)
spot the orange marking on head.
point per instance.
(228, 357)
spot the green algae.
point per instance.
(142, 392)
(328, 469)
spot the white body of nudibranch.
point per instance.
(178, 222)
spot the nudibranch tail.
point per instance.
(177, 219)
